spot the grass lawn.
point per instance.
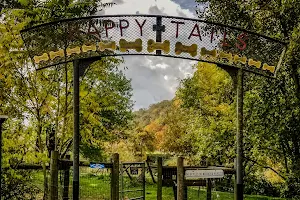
(97, 187)
(193, 193)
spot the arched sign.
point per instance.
(98, 36)
(119, 35)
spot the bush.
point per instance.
(252, 185)
(260, 186)
(225, 184)
(17, 185)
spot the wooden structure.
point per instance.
(174, 176)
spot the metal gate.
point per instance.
(132, 181)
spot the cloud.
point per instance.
(153, 78)
(181, 14)
(154, 10)
(157, 76)
(167, 7)
(118, 2)
(186, 4)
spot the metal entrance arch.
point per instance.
(84, 40)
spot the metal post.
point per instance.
(2, 120)
(54, 175)
(239, 137)
(208, 181)
(175, 190)
(159, 28)
(180, 179)
(76, 134)
(208, 189)
(66, 181)
(159, 178)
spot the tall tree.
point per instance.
(41, 100)
(202, 121)
(272, 106)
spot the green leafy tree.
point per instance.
(271, 106)
(41, 101)
(202, 122)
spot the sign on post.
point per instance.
(134, 171)
(97, 166)
(196, 174)
(119, 35)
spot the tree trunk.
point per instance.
(41, 150)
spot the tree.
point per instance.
(201, 123)
(146, 133)
(41, 100)
(272, 106)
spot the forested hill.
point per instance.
(198, 118)
(149, 127)
(155, 112)
(201, 122)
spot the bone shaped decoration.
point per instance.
(86, 48)
(268, 67)
(243, 59)
(251, 62)
(73, 50)
(227, 56)
(165, 46)
(38, 59)
(107, 46)
(180, 48)
(136, 45)
(205, 52)
(54, 54)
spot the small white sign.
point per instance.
(192, 174)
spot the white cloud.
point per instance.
(165, 7)
(153, 78)
(161, 82)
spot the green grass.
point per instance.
(193, 193)
(95, 186)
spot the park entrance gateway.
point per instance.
(85, 40)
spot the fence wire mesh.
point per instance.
(98, 36)
(95, 184)
(132, 181)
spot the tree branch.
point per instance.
(266, 167)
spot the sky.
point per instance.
(154, 79)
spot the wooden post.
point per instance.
(54, 176)
(66, 180)
(208, 189)
(115, 177)
(144, 180)
(122, 180)
(150, 170)
(235, 189)
(180, 179)
(2, 120)
(159, 178)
